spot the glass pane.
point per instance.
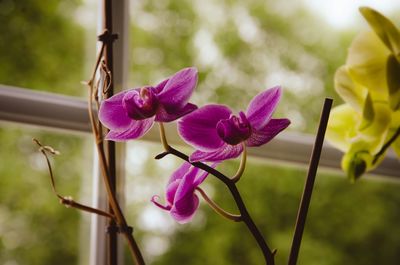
(44, 44)
(240, 49)
(34, 228)
(347, 223)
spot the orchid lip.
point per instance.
(164, 207)
(234, 129)
(141, 104)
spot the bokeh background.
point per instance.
(240, 48)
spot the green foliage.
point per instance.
(41, 46)
(369, 84)
(35, 228)
(240, 48)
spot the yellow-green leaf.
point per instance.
(366, 63)
(349, 91)
(393, 81)
(384, 28)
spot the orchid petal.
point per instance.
(203, 176)
(342, 126)
(369, 68)
(185, 201)
(171, 191)
(179, 173)
(269, 131)
(225, 152)
(163, 116)
(350, 91)
(112, 113)
(178, 89)
(235, 129)
(186, 185)
(199, 127)
(262, 107)
(135, 130)
(384, 28)
(184, 211)
(155, 199)
(140, 104)
(160, 86)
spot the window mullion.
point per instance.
(120, 25)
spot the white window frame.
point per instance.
(69, 113)
(60, 112)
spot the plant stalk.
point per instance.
(309, 184)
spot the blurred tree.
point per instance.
(35, 228)
(41, 48)
(240, 48)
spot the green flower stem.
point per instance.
(386, 146)
(242, 165)
(163, 136)
(218, 209)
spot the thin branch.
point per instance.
(309, 185)
(120, 218)
(69, 202)
(245, 216)
(163, 137)
(218, 209)
(66, 200)
(386, 146)
(242, 165)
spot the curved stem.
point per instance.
(66, 200)
(242, 165)
(231, 184)
(309, 183)
(218, 209)
(386, 146)
(163, 137)
(120, 218)
(245, 216)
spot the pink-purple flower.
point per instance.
(131, 113)
(217, 134)
(181, 200)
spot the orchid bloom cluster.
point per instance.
(213, 130)
(369, 122)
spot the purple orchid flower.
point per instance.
(131, 113)
(182, 202)
(218, 135)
